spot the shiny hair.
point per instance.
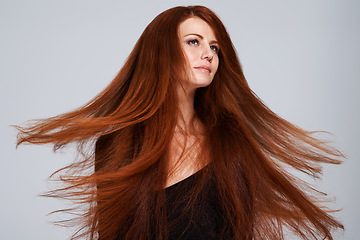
(132, 122)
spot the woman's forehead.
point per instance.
(195, 25)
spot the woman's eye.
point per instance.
(193, 42)
(214, 48)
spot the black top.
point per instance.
(205, 222)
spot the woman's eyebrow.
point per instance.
(196, 34)
(201, 37)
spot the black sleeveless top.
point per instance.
(206, 222)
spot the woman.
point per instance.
(184, 149)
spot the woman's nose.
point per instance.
(207, 54)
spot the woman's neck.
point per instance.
(186, 144)
(186, 110)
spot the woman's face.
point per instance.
(201, 48)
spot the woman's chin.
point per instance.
(202, 81)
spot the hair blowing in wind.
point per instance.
(118, 185)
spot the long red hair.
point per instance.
(132, 122)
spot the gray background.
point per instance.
(300, 57)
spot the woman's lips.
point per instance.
(203, 68)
